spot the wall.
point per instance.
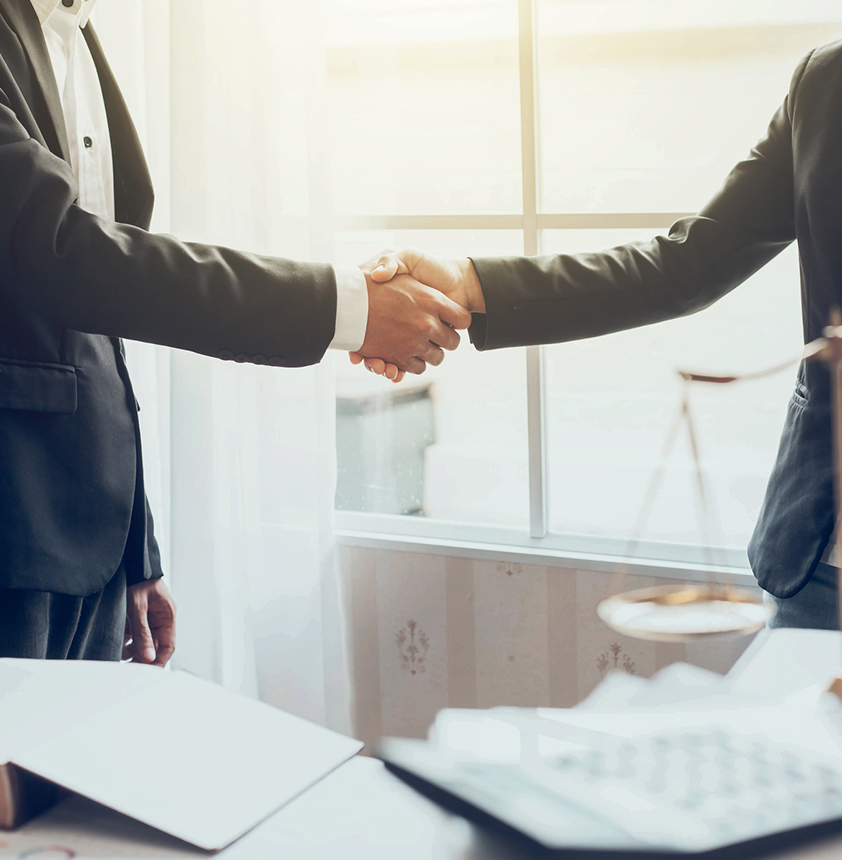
(431, 631)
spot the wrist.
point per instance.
(473, 287)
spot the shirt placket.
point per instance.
(84, 130)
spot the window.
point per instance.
(540, 126)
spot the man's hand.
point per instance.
(150, 623)
(410, 324)
(456, 279)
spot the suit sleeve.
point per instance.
(551, 299)
(93, 275)
(152, 562)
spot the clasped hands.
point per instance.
(417, 303)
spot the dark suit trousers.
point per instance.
(44, 625)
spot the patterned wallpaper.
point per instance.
(431, 631)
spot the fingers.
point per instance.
(416, 365)
(378, 366)
(446, 337)
(391, 372)
(355, 357)
(453, 314)
(164, 645)
(161, 618)
(433, 355)
(150, 623)
(456, 278)
(405, 326)
(143, 648)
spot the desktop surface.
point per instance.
(359, 812)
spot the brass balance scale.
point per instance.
(689, 612)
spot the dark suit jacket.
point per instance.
(71, 285)
(789, 188)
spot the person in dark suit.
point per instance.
(788, 189)
(80, 573)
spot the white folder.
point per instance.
(166, 748)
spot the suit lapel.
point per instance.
(133, 194)
(23, 19)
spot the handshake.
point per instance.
(415, 305)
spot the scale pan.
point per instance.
(681, 613)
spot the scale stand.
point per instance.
(689, 612)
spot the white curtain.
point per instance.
(240, 460)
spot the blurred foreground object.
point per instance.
(687, 762)
(163, 747)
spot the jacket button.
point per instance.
(258, 359)
(241, 357)
(67, 3)
(87, 141)
(225, 354)
(276, 361)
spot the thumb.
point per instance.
(386, 270)
(143, 646)
(394, 263)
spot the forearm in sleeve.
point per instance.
(97, 276)
(565, 297)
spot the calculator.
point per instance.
(671, 793)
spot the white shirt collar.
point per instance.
(81, 8)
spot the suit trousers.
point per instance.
(45, 625)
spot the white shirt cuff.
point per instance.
(351, 309)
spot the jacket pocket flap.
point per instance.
(37, 387)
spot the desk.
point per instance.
(360, 812)
(363, 812)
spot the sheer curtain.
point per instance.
(240, 459)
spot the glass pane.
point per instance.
(612, 399)
(450, 444)
(645, 106)
(424, 106)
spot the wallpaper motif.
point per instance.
(619, 661)
(508, 568)
(491, 632)
(413, 646)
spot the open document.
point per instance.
(166, 748)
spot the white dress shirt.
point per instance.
(90, 146)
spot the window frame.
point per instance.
(536, 545)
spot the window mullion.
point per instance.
(536, 405)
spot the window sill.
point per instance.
(525, 552)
